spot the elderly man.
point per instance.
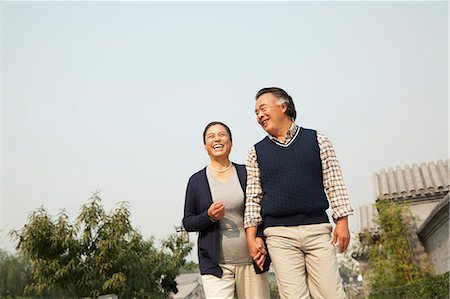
(292, 173)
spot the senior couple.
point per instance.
(273, 206)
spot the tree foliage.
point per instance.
(15, 274)
(392, 259)
(100, 253)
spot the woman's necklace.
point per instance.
(223, 170)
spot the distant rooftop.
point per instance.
(412, 182)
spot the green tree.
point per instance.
(99, 253)
(392, 257)
(15, 274)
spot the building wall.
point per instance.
(437, 247)
(434, 234)
(421, 209)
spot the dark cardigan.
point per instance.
(198, 199)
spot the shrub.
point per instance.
(435, 287)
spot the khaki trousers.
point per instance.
(304, 261)
(249, 285)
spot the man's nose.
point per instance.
(259, 115)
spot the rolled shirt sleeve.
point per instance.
(333, 180)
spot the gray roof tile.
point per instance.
(412, 181)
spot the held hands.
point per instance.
(257, 251)
(341, 234)
(216, 211)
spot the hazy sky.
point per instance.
(114, 96)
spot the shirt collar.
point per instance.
(288, 136)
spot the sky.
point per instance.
(114, 96)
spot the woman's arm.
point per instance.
(194, 220)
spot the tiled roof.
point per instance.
(424, 180)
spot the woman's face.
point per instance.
(217, 142)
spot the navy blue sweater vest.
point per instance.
(292, 181)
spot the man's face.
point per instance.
(268, 114)
(217, 142)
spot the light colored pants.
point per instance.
(249, 285)
(304, 261)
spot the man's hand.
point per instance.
(216, 211)
(257, 251)
(341, 234)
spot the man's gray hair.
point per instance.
(282, 97)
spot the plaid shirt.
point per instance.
(333, 181)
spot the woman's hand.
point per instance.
(216, 211)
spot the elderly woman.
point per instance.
(214, 207)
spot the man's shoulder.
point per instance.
(310, 133)
(265, 139)
(308, 130)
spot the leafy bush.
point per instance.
(435, 287)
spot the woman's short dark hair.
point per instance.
(213, 123)
(282, 97)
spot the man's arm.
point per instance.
(252, 213)
(336, 191)
(253, 193)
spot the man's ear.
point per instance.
(284, 108)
